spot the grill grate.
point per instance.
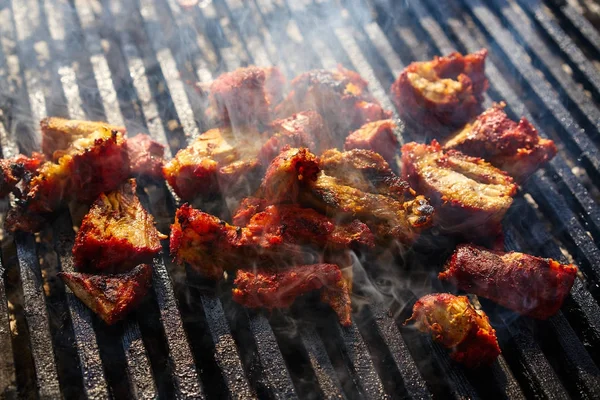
(130, 62)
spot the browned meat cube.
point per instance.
(146, 156)
(112, 297)
(341, 97)
(59, 133)
(380, 136)
(513, 147)
(244, 97)
(527, 284)
(436, 97)
(470, 195)
(453, 322)
(13, 170)
(300, 130)
(117, 233)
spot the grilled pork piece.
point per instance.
(470, 195)
(146, 156)
(303, 129)
(342, 97)
(13, 170)
(117, 233)
(261, 289)
(219, 160)
(379, 136)
(513, 147)
(453, 322)
(112, 297)
(90, 165)
(529, 285)
(276, 235)
(436, 97)
(245, 97)
(58, 133)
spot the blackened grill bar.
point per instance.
(210, 347)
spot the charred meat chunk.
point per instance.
(470, 195)
(457, 325)
(247, 208)
(219, 160)
(14, 170)
(146, 156)
(91, 165)
(59, 133)
(211, 245)
(342, 97)
(111, 297)
(300, 130)
(379, 136)
(435, 97)
(245, 97)
(513, 147)
(262, 289)
(117, 233)
(529, 285)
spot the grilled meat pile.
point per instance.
(310, 177)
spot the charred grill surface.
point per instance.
(136, 72)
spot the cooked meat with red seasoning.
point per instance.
(91, 165)
(59, 133)
(220, 160)
(300, 130)
(112, 297)
(245, 97)
(529, 285)
(247, 208)
(338, 298)
(277, 233)
(470, 195)
(341, 96)
(513, 147)
(453, 322)
(261, 289)
(436, 97)
(379, 136)
(13, 170)
(117, 233)
(146, 156)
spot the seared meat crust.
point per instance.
(211, 245)
(112, 297)
(244, 97)
(59, 133)
(146, 156)
(435, 97)
(261, 289)
(300, 130)
(117, 233)
(379, 136)
(453, 322)
(341, 97)
(470, 195)
(529, 285)
(13, 170)
(513, 147)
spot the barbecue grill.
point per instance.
(135, 63)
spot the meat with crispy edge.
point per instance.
(117, 233)
(513, 147)
(529, 285)
(436, 97)
(90, 165)
(112, 297)
(470, 195)
(276, 234)
(219, 160)
(303, 129)
(379, 136)
(59, 133)
(457, 325)
(146, 156)
(14, 170)
(261, 289)
(245, 97)
(341, 96)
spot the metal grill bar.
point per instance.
(582, 26)
(8, 387)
